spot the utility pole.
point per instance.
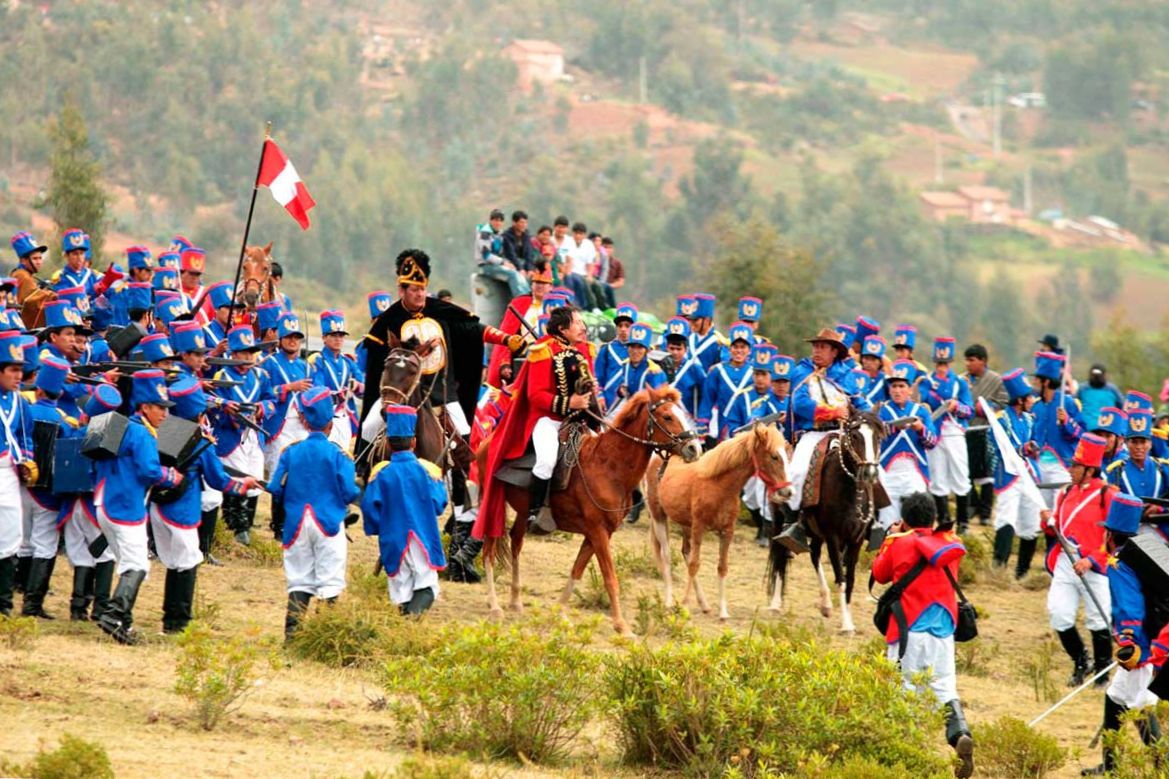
(642, 82)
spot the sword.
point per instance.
(523, 322)
(1075, 557)
(1088, 683)
(764, 420)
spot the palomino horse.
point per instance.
(610, 465)
(850, 495)
(705, 496)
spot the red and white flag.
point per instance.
(278, 175)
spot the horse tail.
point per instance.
(775, 564)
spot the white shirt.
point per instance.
(581, 255)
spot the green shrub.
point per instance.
(75, 758)
(592, 594)
(215, 674)
(1039, 671)
(19, 632)
(976, 563)
(359, 632)
(654, 619)
(520, 691)
(746, 702)
(440, 767)
(975, 657)
(1134, 760)
(1008, 747)
(263, 551)
(822, 767)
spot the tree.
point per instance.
(75, 195)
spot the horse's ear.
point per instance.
(268, 249)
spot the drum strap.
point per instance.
(7, 419)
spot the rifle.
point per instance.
(901, 422)
(238, 416)
(125, 366)
(221, 383)
(225, 362)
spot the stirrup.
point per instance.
(541, 522)
(794, 538)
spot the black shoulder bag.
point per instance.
(967, 627)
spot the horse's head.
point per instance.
(861, 444)
(769, 455)
(668, 427)
(255, 273)
(400, 374)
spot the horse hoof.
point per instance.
(496, 613)
(622, 629)
(518, 608)
(774, 609)
(724, 617)
(825, 611)
(848, 631)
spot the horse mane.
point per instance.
(640, 401)
(735, 452)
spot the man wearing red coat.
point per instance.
(930, 609)
(530, 307)
(545, 394)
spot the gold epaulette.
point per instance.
(1160, 432)
(1113, 466)
(375, 339)
(312, 358)
(721, 339)
(593, 351)
(29, 395)
(432, 470)
(654, 367)
(541, 350)
(376, 470)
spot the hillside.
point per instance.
(410, 121)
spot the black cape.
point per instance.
(464, 360)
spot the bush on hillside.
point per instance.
(1008, 747)
(75, 758)
(762, 703)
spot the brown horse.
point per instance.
(705, 496)
(599, 492)
(256, 285)
(850, 495)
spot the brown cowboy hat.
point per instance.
(830, 336)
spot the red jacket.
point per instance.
(900, 552)
(532, 398)
(511, 326)
(1079, 513)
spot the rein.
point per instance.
(866, 504)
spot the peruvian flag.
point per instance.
(278, 175)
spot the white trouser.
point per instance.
(314, 562)
(342, 432)
(801, 461)
(292, 431)
(755, 497)
(1131, 688)
(80, 531)
(248, 457)
(210, 499)
(40, 528)
(935, 656)
(1067, 592)
(11, 513)
(949, 462)
(546, 442)
(900, 479)
(128, 543)
(458, 418)
(1052, 472)
(1012, 508)
(177, 546)
(414, 574)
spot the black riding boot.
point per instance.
(1004, 538)
(636, 508)
(21, 580)
(103, 582)
(37, 588)
(83, 579)
(419, 602)
(1026, 554)
(766, 531)
(1101, 654)
(297, 606)
(1113, 711)
(207, 535)
(959, 737)
(276, 523)
(985, 502)
(7, 580)
(178, 600)
(756, 518)
(962, 513)
(461, 554)
(170, 591)
(117, 620)
(942, 502)
(540, 522)
(1073, 644)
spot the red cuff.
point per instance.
(493, 335)
(825, 414)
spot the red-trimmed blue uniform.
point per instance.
(123, 481)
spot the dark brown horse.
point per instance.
(850, 495)
(599, 491)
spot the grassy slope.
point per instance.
(305, 720)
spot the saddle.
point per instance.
(812, 484)
(518, 472)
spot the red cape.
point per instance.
(510, 325)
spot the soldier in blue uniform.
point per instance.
(189, 344)
(167, 309)
(1139, 401)
(288, 376)
(62, 321)
(76, 273)
(948, 396)
(865, 326)
(705, 341)
(216, 330)
(315, 481)
(1015, 514)
(16, 460)
(751, 311)
(612, 357)
(338, 373)
(378, 302)
(239, 440)
(267, 319)
(724, 407)
(782, 366)
(1139, 473)
(1112, 426)
(121, 495)
(762, 403)
(873, 364)
(175, 519)
(689, 375)
(639, 371)
(905, 464)
(401, 506)
(1057, 427)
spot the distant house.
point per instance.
(975, 204)
(536, 61)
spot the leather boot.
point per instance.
(959, 737)
(962, 513)
(117, 620)
(80, 600)
(21, 580)
(461, 557)
(178, 602)
(7, 580)
(1073, 644)
(636, 508)
(1026, 555)
(187, 602)
(207, 534)
(103, 582)
(540, 522)
(277, 521)
(985, 502)
(419, 602)
(297, 606)
(1101, 654)
(170, 591)
(1112, 714)
(766, 531)
(756, 517)
(942, 503)
(1004, 538)
(36, 589)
